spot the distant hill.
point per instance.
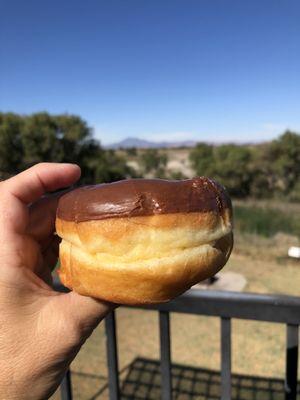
(145, 144)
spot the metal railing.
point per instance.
(226, 305)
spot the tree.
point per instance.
(229, 164)
(283, 155)
(177, 175)
(202, 159)
(131, 151)
(40, 140)
(11, 149)
(154, 162)
(262, 176)
(102, 165)
(27, 140)
(75, 136)
(232, 168)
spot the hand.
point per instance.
(41, 330)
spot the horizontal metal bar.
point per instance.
(225, 359)
(165, 355)
(66, 387)
(292, 343)
(283, 309)
(272, 308)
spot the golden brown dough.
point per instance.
(143, 259)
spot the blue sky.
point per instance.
(215, 70)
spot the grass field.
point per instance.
(263, 219)
(258, 348)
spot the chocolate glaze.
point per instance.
(135, 197)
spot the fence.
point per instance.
(226, 305)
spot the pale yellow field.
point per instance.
(258, 348)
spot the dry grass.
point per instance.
(258, 348)
(178, 161)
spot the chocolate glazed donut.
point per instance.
(142, 241)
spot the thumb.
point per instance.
(83, 313)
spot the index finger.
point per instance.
(42, 216)
(30, 185)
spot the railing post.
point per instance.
(225, 358)
(165, 355)
(66, 387)
(291, 371)
(112, 356)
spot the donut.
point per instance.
(143, 241)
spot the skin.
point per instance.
(41, 331)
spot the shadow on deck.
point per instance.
(143, 382)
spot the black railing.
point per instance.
(226, 305)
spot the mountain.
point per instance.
(146, 144)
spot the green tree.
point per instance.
(229, 164)
(283, 155)
(26, 140)
(294, 195)
(75, 137)
(153, 161)
(40, 140)
(202, 159)
(177, 175)
(262, 176)
(131, 151)
(11, 148)
(103, 165)
(232, 168)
